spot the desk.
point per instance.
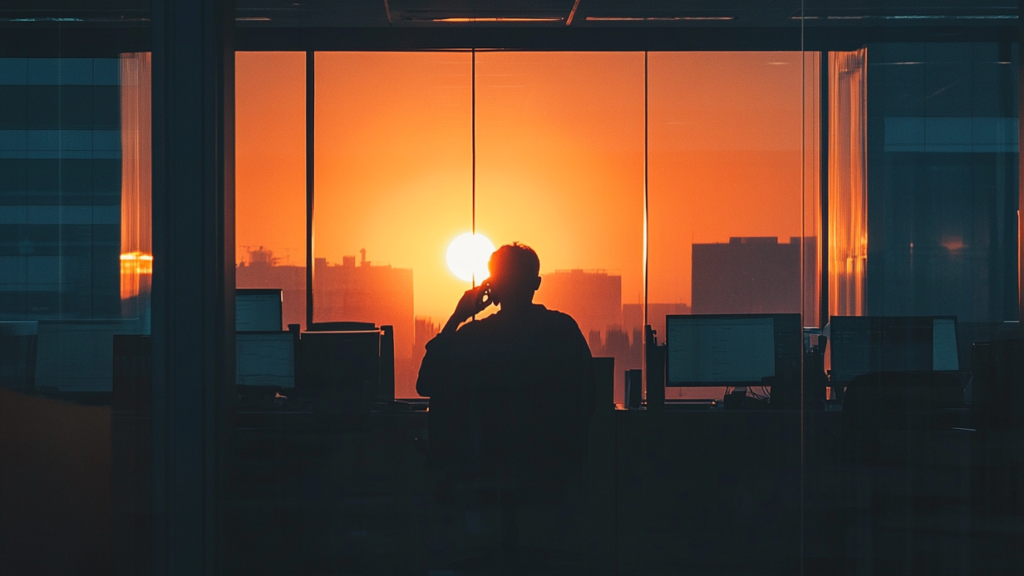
(688, 491)
(717, 489)
(671, 489)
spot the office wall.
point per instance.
(60, 183)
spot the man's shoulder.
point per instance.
(556, 318)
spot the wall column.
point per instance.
(193, 280)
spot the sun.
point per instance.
(468, 256)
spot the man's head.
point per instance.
(515, 274)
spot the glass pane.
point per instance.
(270, 177)
(393, 189)
(730, 196)
(560, 168)
(923, 300)
(75, 269)
(732, 280)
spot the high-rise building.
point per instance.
(406, 371)
(751, 275)
(633, 316)
(592, 297)
(263, 271)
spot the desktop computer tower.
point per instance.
(339, 376)
(386, 390)
(997, 386)
(634, 389)
(655, 363)
(604, 379)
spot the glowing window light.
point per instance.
(468, 256)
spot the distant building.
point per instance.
(424, 329)
(347, 292)
(750, 276)
(262, 271)
(592, 297)
(633, 316)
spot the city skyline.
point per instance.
(393, 159)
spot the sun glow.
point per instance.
(468, 256)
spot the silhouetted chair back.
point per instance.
(495, 443)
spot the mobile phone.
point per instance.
(483, 296)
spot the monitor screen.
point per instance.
(721, 350)
(257, 310)
(265, 359)
(863, 344)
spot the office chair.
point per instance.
(489, 451)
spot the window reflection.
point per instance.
(728, 187)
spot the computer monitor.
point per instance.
(733, 349)
(257, 309)
(265, 359)
(864, 344)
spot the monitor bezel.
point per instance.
(717, 384)
(932, 318)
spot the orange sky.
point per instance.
(560, 158)
(270, 154)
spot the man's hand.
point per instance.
(471, 303)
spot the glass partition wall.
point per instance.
(735, 202)
(825, 243)
(650, 184)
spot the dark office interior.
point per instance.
(233, 234)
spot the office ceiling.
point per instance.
(545, 13)
(584, 13)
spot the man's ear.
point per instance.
(536, 285)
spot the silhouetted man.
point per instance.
(512, 394)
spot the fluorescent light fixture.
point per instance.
(252, 19)
(950, 17)
(43, 19)
(912, 17)
(464, 20)
(657, 18)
